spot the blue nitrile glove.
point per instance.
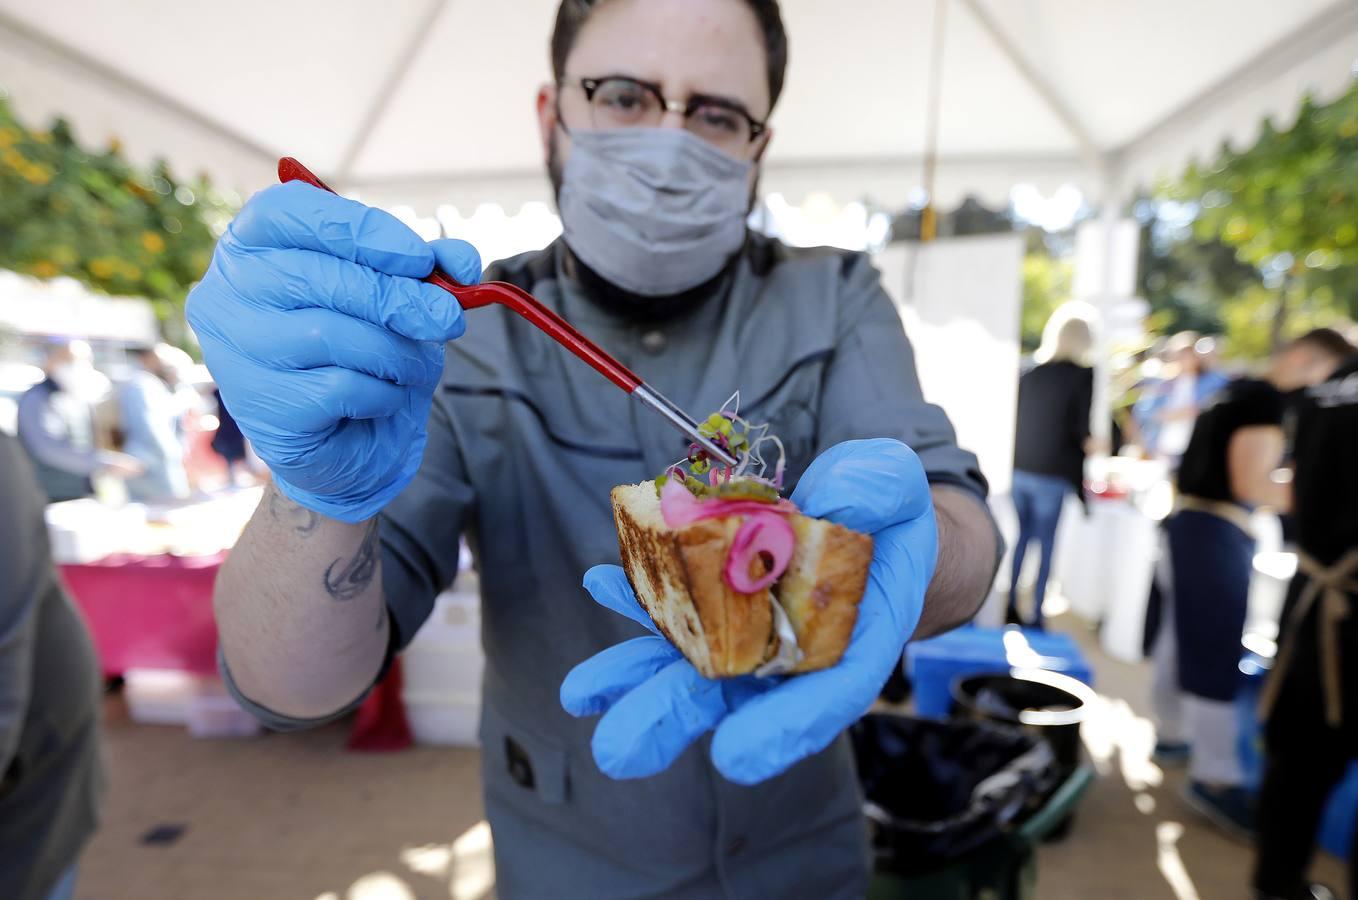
(325, 345)
(655, 704)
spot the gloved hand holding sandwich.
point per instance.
(774, 621)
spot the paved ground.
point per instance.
(295, 817)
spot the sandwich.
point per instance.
(732, 573)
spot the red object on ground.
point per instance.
(149, 612)
(381, 725)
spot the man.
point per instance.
(56, 426)
(151, 412)
(1173, 406)
(1311, 699)
(51, 781)
(1228, 469)
(328, 352)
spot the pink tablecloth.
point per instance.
(149, 612)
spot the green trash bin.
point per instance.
(1005, 868)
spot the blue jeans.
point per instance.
(1037, 500)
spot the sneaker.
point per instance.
(1229, 808)
(1309, 892)
(1171, 754)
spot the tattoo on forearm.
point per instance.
(300, 519)
(347, 579)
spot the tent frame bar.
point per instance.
(372, 116)
(1089, 148)
(1334, 23)
(71, 57)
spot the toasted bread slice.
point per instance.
(678, 578)
(821, 588)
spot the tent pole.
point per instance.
(928, 226)
(1115, 259)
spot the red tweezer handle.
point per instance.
(474, 296)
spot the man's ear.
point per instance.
(546, 109)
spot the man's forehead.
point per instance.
(686, 46)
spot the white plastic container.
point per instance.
(444, 720)
(443, 669)
(212, 715)
(164, 696)
(456, 616)
(84, 531)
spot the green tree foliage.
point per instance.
(1188, 282)
(94, 217)
(1046, 285)
(1287, 208)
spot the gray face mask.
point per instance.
(655, 211)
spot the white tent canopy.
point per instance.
(429, 102)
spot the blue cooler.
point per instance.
(1341, 816)
(1341, 812)
(934, 664)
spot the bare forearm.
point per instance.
(967, 553)
(299, 609)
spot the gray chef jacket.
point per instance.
(525, 442)
(51, 775)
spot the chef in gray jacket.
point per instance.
(391, 433)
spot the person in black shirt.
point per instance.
(1049, 446)
(1203, 580)
(1311, 699)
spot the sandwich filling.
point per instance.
(764, 545)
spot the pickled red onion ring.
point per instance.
(767, 535)
(679, 507)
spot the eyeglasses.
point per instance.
(621, 102)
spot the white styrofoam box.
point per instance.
(1079, 561)
(220, 716)
(165, 696)
(443, 668)
(456, 616)
(1273, 572)
(445, 721)
(85, 530)
(1131, 542)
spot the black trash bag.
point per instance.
(936, 790)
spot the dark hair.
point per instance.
(571, 16)
(1327, 341)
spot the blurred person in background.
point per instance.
(1202, 581)
(51, 777)
(1050, 444)
(57, 428)
(229, 443)
(1168, 411)
(1310, 703)
(611, 766)
(151, 407)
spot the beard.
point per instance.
(555, 165)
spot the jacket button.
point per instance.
(654, 342)
(735, 845)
